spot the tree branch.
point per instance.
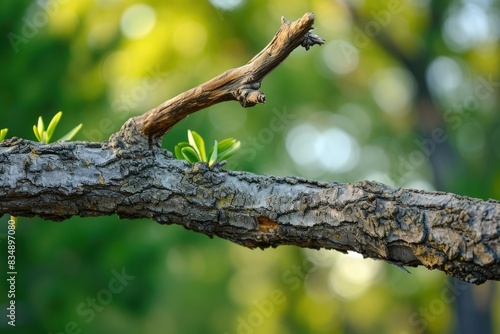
(458, 235)
(239, 84)
(130, 177)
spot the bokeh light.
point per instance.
(226, 4)
(336, 150)
(351, 276)
(340, 57)
(393, 90)
(333, 149)
(469, 25)
(444, 77)
(137, 21)
(299, 141)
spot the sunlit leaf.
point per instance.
(52, 125)
(198, 144)
(230, 151)
(40, 128)
(225, 144)
(3, 133)
(190, 154)
(72, 133)
(37, 135)
(213, 156)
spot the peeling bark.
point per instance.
(132, 178)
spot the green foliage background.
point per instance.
(350, 99)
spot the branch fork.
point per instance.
(239, 84)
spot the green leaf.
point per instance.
(178, 148)
(40, 128)
(52, 125)
(230, 151)
(72, 133)
(213, 156)
(3, 133)
(37, 135)
(223, 145)
(190, 154)
(194, 150)
(198, 144)
(226, 144)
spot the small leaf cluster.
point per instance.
(44, 136)
(194, 149)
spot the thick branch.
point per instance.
(239, 84)
(458, 235)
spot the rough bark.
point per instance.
(130, 177)
(458, 235)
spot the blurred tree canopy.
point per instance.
(404, 92)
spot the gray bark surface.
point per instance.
(131, 176)
(458, 235)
